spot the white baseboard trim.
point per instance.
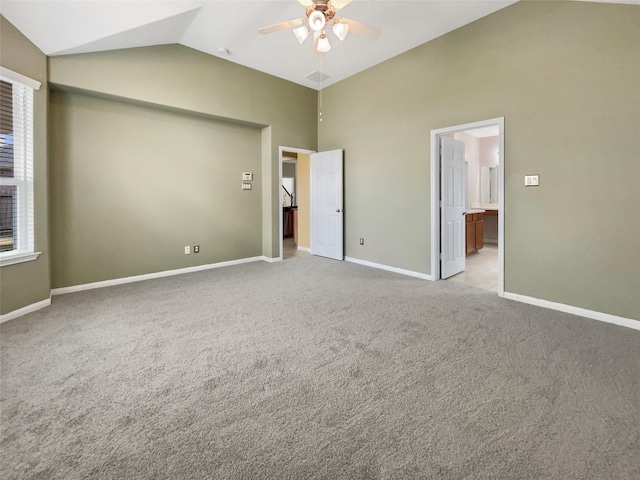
(150, 276)
(401, 271)
(24, 310)
(303, 249)
(270, 259)
(583, 312)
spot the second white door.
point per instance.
(327, 205)
(453, 197)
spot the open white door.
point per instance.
(453, 193)
(326, 205)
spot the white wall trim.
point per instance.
(435, 195)
(13, 258)
(583, 312)
(401, 271)
(24, 310)
(271, 259)
(150, 276)
(19, 78)
(303, 249)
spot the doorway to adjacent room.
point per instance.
(311, 197)
(467, 185)
(294, 186)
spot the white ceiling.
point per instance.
(66, 27)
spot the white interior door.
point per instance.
(326, 205)
(453, 193)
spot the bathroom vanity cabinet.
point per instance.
(474, 232)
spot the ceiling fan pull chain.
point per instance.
(321, 86)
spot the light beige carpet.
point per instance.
(312, 368)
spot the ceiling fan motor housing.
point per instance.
(324, 7)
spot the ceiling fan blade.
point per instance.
(316, 37)
(361, 29)
(338, 4)
(306, 3)
(282, 26)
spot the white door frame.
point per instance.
(435, 194)
(281, 157)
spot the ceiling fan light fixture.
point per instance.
(301, 33)
(341, 30)
(323, 44)
(317, 21)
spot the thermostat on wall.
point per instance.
(247, 177)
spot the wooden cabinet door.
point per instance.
(480, 232)
(471, 234)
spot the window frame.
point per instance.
(23, 133)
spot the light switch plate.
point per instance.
(247, 177)
(532, 180)
(246, 186)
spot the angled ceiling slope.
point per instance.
(161, 32)
(229, 29)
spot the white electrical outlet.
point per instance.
(246, 186)
(187, 250)
(532, 180)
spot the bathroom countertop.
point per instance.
(474, 210)
(486, 206)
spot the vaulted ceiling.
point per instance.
(228, 29)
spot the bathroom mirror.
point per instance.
(489, 184)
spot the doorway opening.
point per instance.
(467, 198)
(293, 195)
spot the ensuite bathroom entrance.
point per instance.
(467, 164)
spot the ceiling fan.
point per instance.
(321, 14)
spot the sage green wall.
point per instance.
(566, 77)
(187, 84)
(179, 78)
(288, 170)
(27, 283)
(138, 184)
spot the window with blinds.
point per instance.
(16, 168)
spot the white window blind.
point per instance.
(16, 168)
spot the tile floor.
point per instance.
(289, 249)
(481, 269)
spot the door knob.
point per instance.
(338, 210)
